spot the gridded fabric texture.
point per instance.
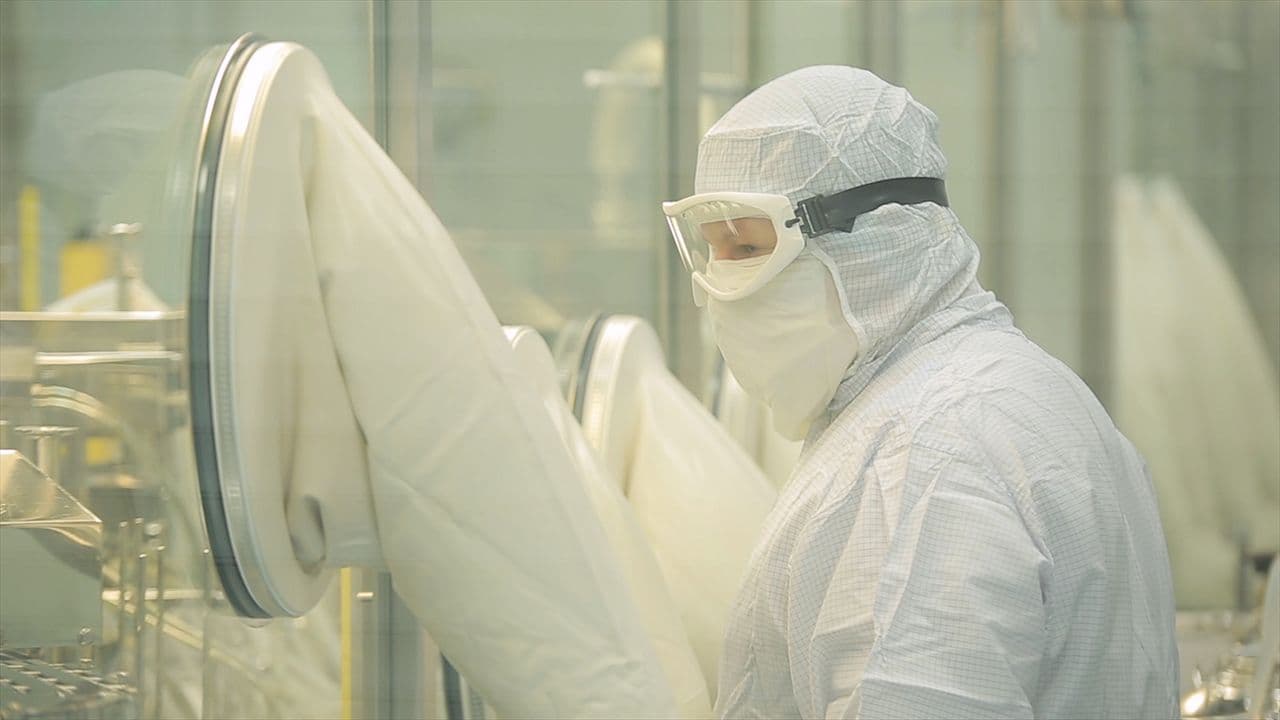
(967, 534)
(824, 129)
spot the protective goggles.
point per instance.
(733, 243)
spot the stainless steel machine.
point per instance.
(93, 404)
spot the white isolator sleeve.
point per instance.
(1194, 392)
(658, 610)
(483, 525)
(1238, 409)
(702, 502)
(699, 498)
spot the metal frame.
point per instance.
(11, 132)
(392, 657)
(999, 153)
(881, 33)
(200, 325)
(388, 665)
(405, 100)
(1096, 257)
(678, 320)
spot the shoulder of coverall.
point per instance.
(926, 404)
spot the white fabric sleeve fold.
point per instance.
(959, 614)
(482, 523)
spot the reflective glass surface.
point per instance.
(103, 110)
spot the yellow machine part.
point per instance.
(102, 450)
(83, 263)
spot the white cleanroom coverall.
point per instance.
(967, 534)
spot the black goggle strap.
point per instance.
(822, 214)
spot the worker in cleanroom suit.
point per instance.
(966, 535)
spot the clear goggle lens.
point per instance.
(733, 243)
(721, 230)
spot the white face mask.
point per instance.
(788, 343)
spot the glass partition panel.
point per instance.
(90, 86)
(791, 34)
(724, 62)
(1196, 281)
(547, 152)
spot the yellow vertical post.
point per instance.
(29, 245)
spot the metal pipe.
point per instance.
(678, 320)
(139, 604)
(122, 235)
(995, 261)
(891, 31)
(158, 657)
(1245, 149)
(15, 77)
(122, 577)
(745, 61)
(881, 39)
(139, 624)
(407, 40)
(205, 646)
(46, 453)
(1096, 276)
(378, 32)
(400, 38)
(866, 23)
(45, 443)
